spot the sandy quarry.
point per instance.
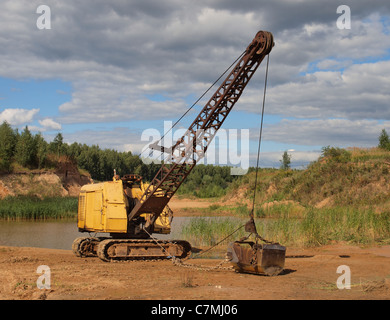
(309, 273)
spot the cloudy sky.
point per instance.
(106, 71)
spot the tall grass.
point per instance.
(33, 208)
(239, 210)
(316, 227)
(204, 231)
(357, 226)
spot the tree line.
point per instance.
(32, 151)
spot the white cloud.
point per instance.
(118, 138)
(324, 132)
(50, 124)
(18, 116)
(334, 64)
(299, 159)
(359, 92)
(115, 54)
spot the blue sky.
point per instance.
(29, 93)
(106, 72)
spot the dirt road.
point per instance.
(309, 274)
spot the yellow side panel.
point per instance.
(81, 211)
(93, 216)
(113, 192)
(89, 210)
(98, 211)
(115, 203)
(90, 207)
(116, 218)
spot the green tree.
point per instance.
(8, 139)
(336, 154)
(41, 150)
(384, 140)
(57, 145)
(90, 160)
(286, 161)
(25, 149)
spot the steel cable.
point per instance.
(260, 137)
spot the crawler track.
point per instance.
(85, 246)
(108, 249)
(142, 249)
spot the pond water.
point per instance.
(60, 234)
(52, 235)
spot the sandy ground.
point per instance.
(309, 274)
(188, 207)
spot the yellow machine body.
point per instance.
(103, 207)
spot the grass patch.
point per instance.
(33, 208)
(356, 226)
(324, 226)
(239, 210)
(316, 227)
(206, 231)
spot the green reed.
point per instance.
(204, 231)
(33, 208)
(315, 227)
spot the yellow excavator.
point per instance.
(130, 211)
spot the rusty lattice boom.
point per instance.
(192, 146)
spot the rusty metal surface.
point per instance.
(85, 246)
(250, 226)
(109, 249)
(249, 257)
(132, 249)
